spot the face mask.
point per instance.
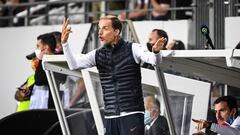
(37, 53)
(147, 118)
(149, 46)
(229, 121)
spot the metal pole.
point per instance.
(93, 101)
(184, 116)
(57, 103)
(163, 92)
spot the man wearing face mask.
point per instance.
(155, 124)
(41, 98)
(226, 110)
(154, 36)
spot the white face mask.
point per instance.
(37, 53)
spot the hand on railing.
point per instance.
(65, 31)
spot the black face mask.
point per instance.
(149, 46)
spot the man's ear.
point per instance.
(116, 32)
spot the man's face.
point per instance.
(106, 33)
(45, 49)
(223, 112)
(153, 37)
(148, 102)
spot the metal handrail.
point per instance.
(36, 6)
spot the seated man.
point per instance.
(155, 124)
(227, 116)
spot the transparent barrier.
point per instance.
(83, 87)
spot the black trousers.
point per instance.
(127, 125)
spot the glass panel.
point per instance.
(181, 108)
(76, 104)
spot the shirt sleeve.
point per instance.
(141, 53)
(224, 130)
(79, 62)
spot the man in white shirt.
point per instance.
(118, 63)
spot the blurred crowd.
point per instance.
(141, 10)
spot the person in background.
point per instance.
(138, 14)
(226, 110)
(23, 95)
(46, 44)
(80, 91)
(175, 45)
(155, 124)
(154, 36)
(160, 9)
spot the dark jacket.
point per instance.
(159, 127)
(120, 79)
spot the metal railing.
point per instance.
(62, 8)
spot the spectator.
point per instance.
(12, 11)
(118, 64)
(74, 93)
(80, 91)
(40, 98)
(138, 14)
(160, 9)
(155, 124)
(227, 116)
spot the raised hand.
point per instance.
(65, 31)
(159, 45)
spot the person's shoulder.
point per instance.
(162, 119)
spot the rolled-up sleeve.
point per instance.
(141, 53)
(77, 61)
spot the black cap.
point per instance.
(31, 56)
